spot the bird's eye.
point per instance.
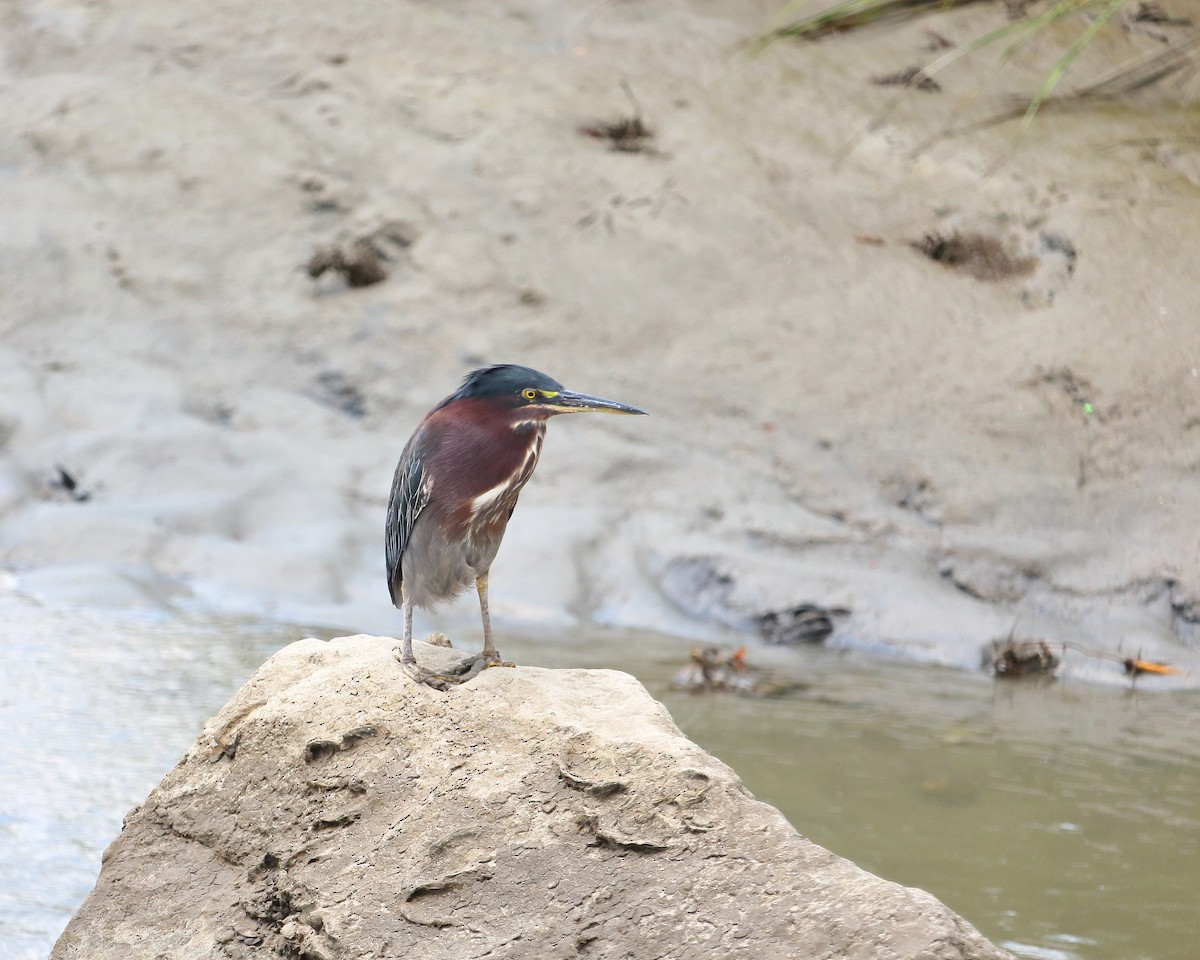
(529, 393)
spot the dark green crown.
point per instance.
(502, 380)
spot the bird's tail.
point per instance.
(395, 585)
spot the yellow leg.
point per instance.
(491, 656)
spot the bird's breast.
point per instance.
(496, 502)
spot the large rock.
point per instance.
(334, 808)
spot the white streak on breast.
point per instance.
(514, 482)
(489, 497)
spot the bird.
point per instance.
(456, 486)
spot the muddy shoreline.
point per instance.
(947, 394)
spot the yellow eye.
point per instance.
(529, 393)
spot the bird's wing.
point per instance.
(411, 489)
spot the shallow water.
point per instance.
(95, 708)
(1062, 820)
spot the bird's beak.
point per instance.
(568, 401)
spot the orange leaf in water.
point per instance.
(1135, 667)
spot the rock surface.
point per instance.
(335, 809)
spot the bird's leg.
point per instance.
(408, 660)
(491, 656)
(406, 655)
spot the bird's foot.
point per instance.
(449, 676)
(438, 681)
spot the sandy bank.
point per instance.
(836, 418)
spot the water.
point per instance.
(95, 708)
(1062, 820)
(1054, 819)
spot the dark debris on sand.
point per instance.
(64, 482)
(626, 135)
(914, 77)
(806, 623)
(363, 260)
(360, 264)
(1022, 658)
(975, 254)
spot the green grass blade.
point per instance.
(1063, 64)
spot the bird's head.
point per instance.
(525, 395)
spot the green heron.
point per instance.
(456, 486)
